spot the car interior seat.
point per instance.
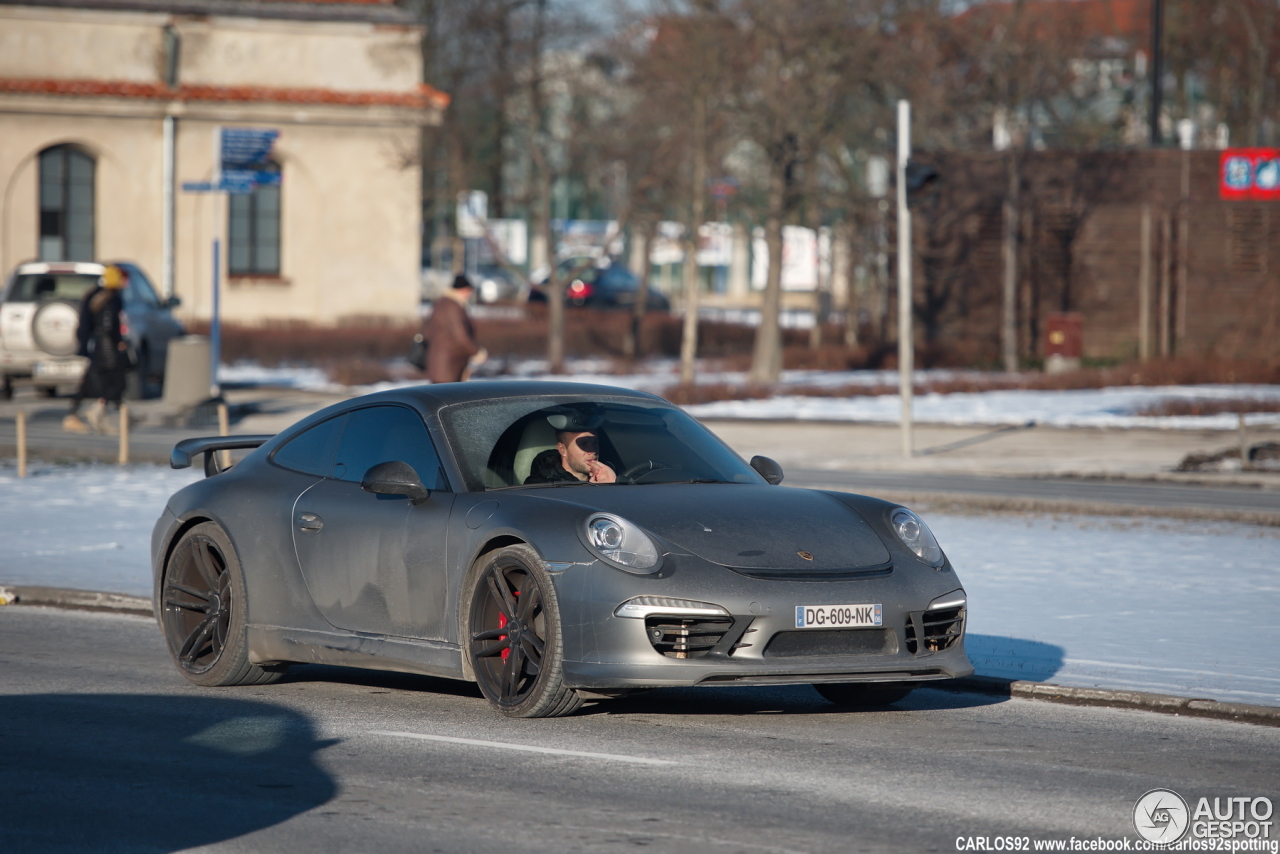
(537, 437)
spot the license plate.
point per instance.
(57, 370)
(838, 616)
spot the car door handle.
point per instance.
(310, 523)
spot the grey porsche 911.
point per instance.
(552, 542)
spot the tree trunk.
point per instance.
(689, 336)
(640, 260)
(766, 361)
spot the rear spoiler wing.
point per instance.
(180, 456)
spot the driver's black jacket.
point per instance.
(546, 468)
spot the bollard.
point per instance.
(22, 443)
(224, 427)
(124, 434)
(1245, 465)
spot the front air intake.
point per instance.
(686, 637)
(939, 629)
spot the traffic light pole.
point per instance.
(906, 349)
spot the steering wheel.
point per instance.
(639, 470)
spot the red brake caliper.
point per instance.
(502, 621)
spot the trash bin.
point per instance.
(1063, 342)
(187, 375)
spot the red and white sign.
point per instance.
(1251, 174)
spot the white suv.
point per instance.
(40, 313)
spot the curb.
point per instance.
(77, 600)
(1168, 704)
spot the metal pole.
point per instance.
(215, 326)
(1144, 287)
(1010, 214)
(224, 428)
(22, 443)
(168, 158)
(123, 456)
(906, 349)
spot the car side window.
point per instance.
(380, 434)
(139, 290)
(312, 450)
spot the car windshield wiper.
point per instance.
(705, 480)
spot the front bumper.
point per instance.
(758, 644)
(42, 368)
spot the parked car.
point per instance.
(495, 284)
(40, 312)
(417, 530)
(609, 287)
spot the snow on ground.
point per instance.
(1186, 608)
(1105, 407)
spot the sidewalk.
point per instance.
(1034, 451)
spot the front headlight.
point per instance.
(915, 535)
(619, 542)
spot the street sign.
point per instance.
(1249, 174)
(245, 148)
(242, 159)
(473, 211)
(235, 188)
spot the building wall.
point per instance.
(344, 95)
(1213, 266)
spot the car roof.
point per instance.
(434, 396)
(89, 268)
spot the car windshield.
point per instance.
(508, 442)
(35, 287)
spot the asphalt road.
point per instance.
(104, 747)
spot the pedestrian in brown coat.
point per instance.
(450, 337)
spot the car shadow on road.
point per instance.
(1013, 658)
(136, 772)
(385, 679)
(992, 655)
(781, 700)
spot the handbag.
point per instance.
(418, 352)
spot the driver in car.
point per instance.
(576, 455)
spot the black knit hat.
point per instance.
(461, 281)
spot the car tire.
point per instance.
(48, 390)
(6, 388)
(864, 694)
(203, 611)
(520, 676)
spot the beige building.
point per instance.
(108, 107)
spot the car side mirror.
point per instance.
(768, 469)
(172, 302)
(395, 478)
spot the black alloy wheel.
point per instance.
(514, 644)
(864, 694)
(203, 612)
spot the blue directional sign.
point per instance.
(242, 158)
(245, 148)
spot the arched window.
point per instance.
(253, 229)
(66, 204)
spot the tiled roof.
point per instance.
(424, 97)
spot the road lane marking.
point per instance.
(502, 745)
